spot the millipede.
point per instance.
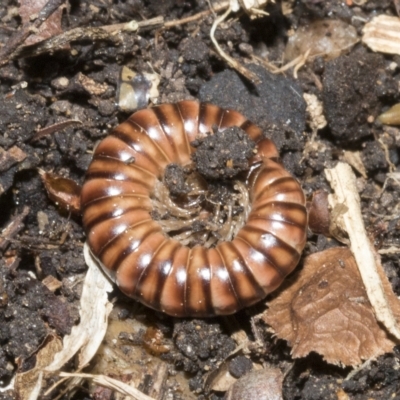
(150, 257)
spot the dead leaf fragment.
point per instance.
(353, 158)
(49, 28)
(328, 38)
(52, 283)
(264, 384)
(222, 380)
(326, 310)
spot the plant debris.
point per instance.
(326, 310)
(383, 34)
(50, 27)
(323, 38)
(391, 116)
(349, 219)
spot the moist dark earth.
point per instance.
(47, 89)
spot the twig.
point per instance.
(268, 65)
(13, 228)
(343, 182)
(107, 32)
(133, 26)
(59, 126)
(18, 38)
(215, 9)
(251, 76)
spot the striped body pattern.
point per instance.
(153, 268)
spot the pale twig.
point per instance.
(355, 371)
(301, 63)
(268, 65)
(297, 63)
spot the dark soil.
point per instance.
(223, 154)
(40, 91)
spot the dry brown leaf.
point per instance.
(326, 310)
(50, 27)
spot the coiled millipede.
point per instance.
(142, 256)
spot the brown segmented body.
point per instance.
(157, 270)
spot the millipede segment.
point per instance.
(154, 268)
